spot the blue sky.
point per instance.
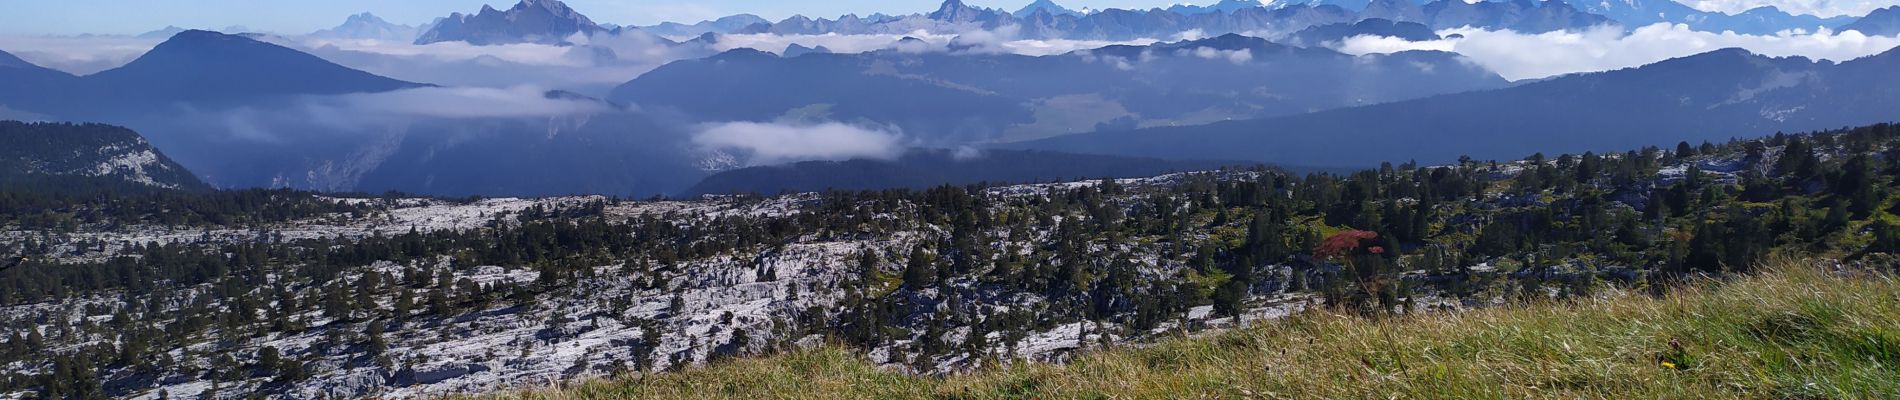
(66, 17)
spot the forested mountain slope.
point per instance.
(292, 295)
(53, 157)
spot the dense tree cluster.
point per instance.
(1117, 257)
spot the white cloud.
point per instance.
(834, 42)
(78, 55)
(1121, 63)
(1824, 8)
(1064, 46)
(371, 113)
(1528, 56)
(1234, 56)
(594, 65)
(1007, 40)
(459, 103)
(777, 143)
(966, 153)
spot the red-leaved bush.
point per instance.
(1344, 243)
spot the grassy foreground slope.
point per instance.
(1795, 331)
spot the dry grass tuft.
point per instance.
(1792, 332)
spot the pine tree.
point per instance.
(920, 271)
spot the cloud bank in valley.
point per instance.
(378, 113)
(1530, 56)
(1824, 8)
(459, 103)
(778, 143)
(1000, 41)
(78, 55)
(592, 66)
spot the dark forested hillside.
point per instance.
(921, 169)
(405, 297)
(69, 157)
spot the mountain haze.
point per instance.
(369, 26)
(1712, 96)
(965, 95)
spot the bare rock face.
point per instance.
(531, 21)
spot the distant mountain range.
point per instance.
(553, 22)
(1223, 6)
(966, 95)
(1758, 21)
(727, 24)
(1881, 22)
(369, 26)
(530, 21)
(1231, 16)
(1326, 35)
(1712, 96)
(925, 168)
(1046, 7)
(55, 156)
(1526, 16)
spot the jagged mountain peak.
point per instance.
(1223, 6)
(556, 7)
(364, 17)
(1045, 6)
(957, 11)
(368, 26)
(530, 21)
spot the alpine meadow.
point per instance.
(1111, 199)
